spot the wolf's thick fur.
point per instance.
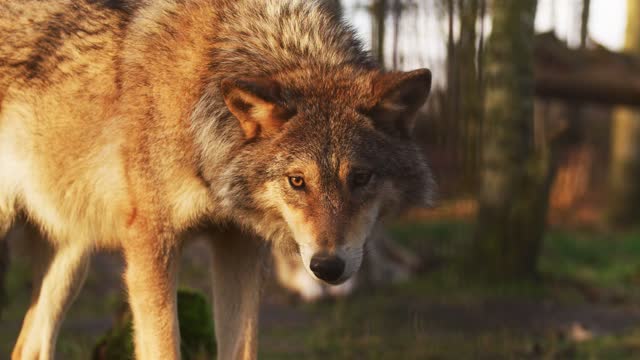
(132, 126)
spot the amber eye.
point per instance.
(296, 182)
(361, 178)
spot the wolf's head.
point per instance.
(325, 155)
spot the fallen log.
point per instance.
(594, 75)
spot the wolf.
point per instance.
(135, 126)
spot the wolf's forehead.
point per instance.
(335, 163)
(328, 136)
(322, 155)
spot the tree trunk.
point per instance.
(584, 23)
(624, 195)
(513, 178)
(470, 105)
(480, 55)
(396, 13)
(379, 11)
(453, 99)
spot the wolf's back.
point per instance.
(41, 41)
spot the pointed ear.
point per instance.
(400, 95)
(257, 105)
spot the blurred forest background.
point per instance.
(533, 248)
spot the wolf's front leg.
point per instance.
(58, 277)
(238, 261)
(151, 281)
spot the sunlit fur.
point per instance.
(114, 133)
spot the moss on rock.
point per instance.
(196, 331)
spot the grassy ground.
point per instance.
(587, 306)
(584, 307)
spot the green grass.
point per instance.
(378, 325)
(440, 314)
(607, 261)
(614, 347)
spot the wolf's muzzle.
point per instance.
(327, 267)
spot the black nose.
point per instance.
(327, 267)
